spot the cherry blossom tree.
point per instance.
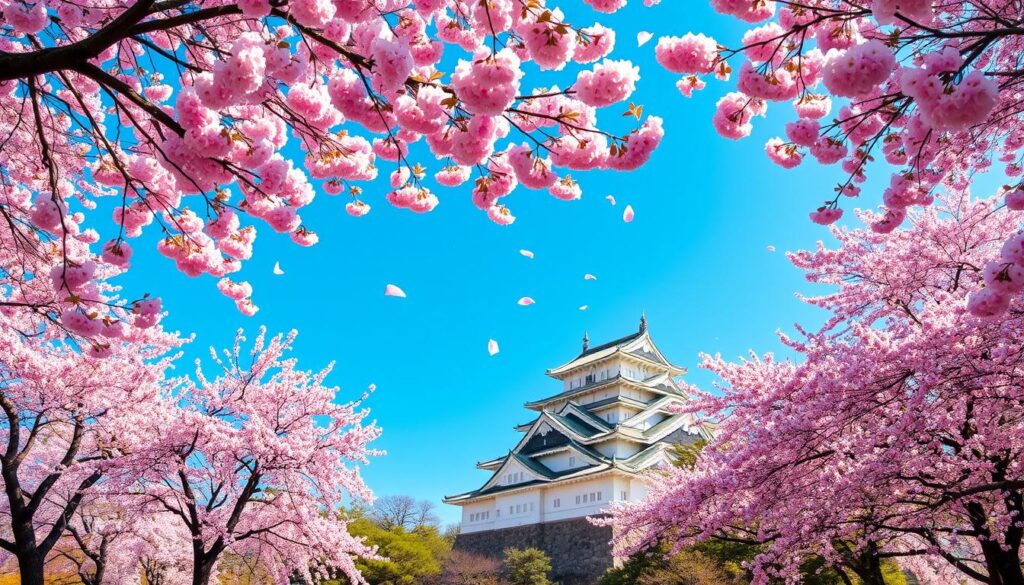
(189, 114)
(930, 87)
(114, 538)
(69, 424)
(257, 462)
(898, 429)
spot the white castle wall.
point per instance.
(550, 503)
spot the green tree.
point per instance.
(688, 567)
(720, 562)
(527, 566)
(408, 556)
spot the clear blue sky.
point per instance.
(694, 259)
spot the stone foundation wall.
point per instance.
(580, 552)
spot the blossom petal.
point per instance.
(526, 253)
(642, 37)
(277, 269)
(393, 291)
(492, 347)
(627, 214)
(526, 301)
(610, 198)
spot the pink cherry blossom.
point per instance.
(500, 215)
(855, 437)
(859, 70)
(826, 215)
(596, 43)
(357, 208)
(488, 84)
(208, 156)
(783, 154)
(687, 54)
(609, 82)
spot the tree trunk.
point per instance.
(1003, 566)
(30, 567)
(202, 569)
(869, 570)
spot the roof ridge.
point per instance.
(620, 341)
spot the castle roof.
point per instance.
(637, 346)
(564, 425)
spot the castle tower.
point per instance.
(585, 448)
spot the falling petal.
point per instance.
(627, 214)
(526, 301)
(372, 387)
(492, 347)
(589, 276)
(393, 291)
(526, 253)
(610, 198)
(642, 37)
(277, 269)
(770, 248)
(583, 307)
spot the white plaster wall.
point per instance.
(564, 460)
(503, 508)
(567, 494)
(518, 509)
(513, 468)
(485, 507)
(617, 448)
(637, 489)
(602, 372)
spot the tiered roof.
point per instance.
(563, 424)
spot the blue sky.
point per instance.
(694, 259)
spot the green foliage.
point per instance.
(689, 567)
(684, 455)
(411, 557)
(720, 562)
(527, 566)
(892, 573)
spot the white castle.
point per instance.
(588, 443)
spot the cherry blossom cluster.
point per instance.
(932, 88)
(71, 426)
(116, 467)
(895, 430)
(89, 109)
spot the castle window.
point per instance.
(572, 461)
(598, 496)
(624, 497)
(577, 500)
(557, 503)
(531, 506)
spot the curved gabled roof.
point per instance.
(636, 345)
(658, 383)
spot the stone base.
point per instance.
(580, 552)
